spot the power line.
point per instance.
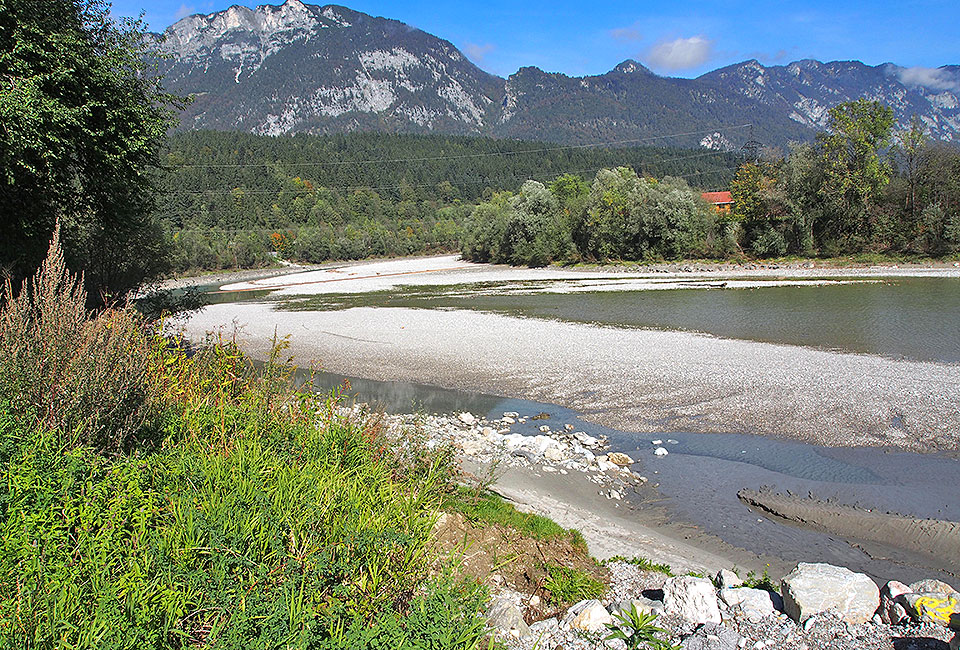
(465, 156)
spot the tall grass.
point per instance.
(158, 499)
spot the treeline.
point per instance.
(232, 199)
(859, 188)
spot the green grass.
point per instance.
(568, 585)
(488, 508)
(643, 563)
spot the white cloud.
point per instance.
(681, 54)
(630, 33)
(478, 52)
(184, 11)
(933, 78)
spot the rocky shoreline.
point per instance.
(814, 606)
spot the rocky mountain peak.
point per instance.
(300, 67)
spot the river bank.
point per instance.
(636, 380)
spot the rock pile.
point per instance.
(562, 451)
(823, 606)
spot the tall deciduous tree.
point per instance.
(854, 169)
(82, 118)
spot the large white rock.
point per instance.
(691, 598)
(755, 604)
(587, 616)
(467, 418)
(813, 588)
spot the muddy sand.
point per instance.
(881, 535)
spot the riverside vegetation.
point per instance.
(156, 497)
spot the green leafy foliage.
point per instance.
(622, 217)
(84, 118)
(373, 194)
(637, 631)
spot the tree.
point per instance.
(854, 170)
(83, 118)
(909, 145)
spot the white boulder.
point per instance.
(814, 588)
(587, 616)
(727, 579)
(467, 418)
(756, 604)
(693, 599)
(660, 451)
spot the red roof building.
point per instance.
(721, 201)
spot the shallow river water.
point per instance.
(700, 477)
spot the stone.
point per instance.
(486, 432)
(756, 604)
(693, 599)
(891, 612)
(933, 607)
(712, 636)
(568, 427)
(544, 428)
(643, 606)
(619, 459)
(545, 628)
(587, 616)
(511, 414)
(508, 420)
(660, 451)
(554, 454)
(727, 579)
(605, 465)
(505, 615)
(467, 418)
(818, 587)
(930, 586)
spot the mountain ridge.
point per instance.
(298, 67)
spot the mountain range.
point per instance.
(328, 69)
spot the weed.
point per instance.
(764, 582)
(637, 630)
(567, 585)
(154, 499)
(643, 563)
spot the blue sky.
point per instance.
(676, 38)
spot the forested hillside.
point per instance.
(230, 198)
